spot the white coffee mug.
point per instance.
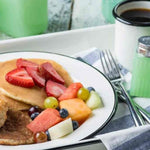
(127, 32)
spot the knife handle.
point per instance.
(138, 120)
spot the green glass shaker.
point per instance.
(140, 84)
(20, 18)
(107, 7)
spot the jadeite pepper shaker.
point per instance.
(20, 18)
(140, 84)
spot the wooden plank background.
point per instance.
(71, 14)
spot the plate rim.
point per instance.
(115, 94)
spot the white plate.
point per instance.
(88, 76)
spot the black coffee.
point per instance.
(137, 15)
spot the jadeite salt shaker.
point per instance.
(20, 18)
(140, 84)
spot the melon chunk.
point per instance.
(71, 91)
(94, 101)
(61, 129)
(77, 109)
(46, 119)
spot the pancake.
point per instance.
(32, 96)
(14, 104)
(14, 131)
(3, 112)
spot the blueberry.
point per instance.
(34, 115)
(58, 108)
(48, 136)
(75, 125)
(91, 89)
(33, 110)
(63, 113)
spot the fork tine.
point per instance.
(112, 65)
(106, 66)
(106, 62)
(116, 66)
(110, 62)
(101, 56)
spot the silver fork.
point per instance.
(112, 71)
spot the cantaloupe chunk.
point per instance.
(77, 109)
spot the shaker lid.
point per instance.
(144, 46)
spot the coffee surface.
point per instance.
(137, 15)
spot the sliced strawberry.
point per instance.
(38, 79)
(71, 91)
(50, 73)
(22, 63)
(54, 89)
(19, 77)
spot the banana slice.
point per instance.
(61, 129)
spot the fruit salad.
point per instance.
(64, 109)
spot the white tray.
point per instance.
(67, 42)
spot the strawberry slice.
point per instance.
(54, 89)
(71, 91)
(36, 76)
(22, 63)
(50, 73)
(19, 77)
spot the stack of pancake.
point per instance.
(19, 100)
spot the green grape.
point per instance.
(51, 102)
(83, 94)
